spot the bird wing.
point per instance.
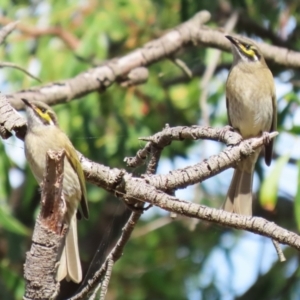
(75, 163)
(227, 108)
(269, 147)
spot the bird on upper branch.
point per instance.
(252, 111)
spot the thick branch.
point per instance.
(10, 120)
(137, 188)
(48, 236)
(208, 168)
(109, 179)
(112, 179)
(140, 189)
(99, 78)
(147, 191)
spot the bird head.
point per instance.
(245, 50)
(39, 114)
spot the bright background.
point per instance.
(181, 259)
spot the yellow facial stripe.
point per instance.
(44, 116)
(250, 52)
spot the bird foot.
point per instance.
(228, 135)
(224, 130)
(266, 137)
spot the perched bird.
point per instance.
(252, 111)
(43, 134)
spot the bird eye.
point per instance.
(43, 110)
(248, 47)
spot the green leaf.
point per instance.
(297, 198)
(12, 281)
(8, 222)
(269, 188)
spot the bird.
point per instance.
(43, 134)
(252, 112)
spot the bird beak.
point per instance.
(27, 103)
(232, 40)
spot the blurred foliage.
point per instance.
(269, 188)
(173, 262)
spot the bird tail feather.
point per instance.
(70, 266)
(239, 197)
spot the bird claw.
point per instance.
(224, 130)
(227, 135)
(266, 137)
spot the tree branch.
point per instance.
(6, 30)
(114, 255)
(101, 77)
(138, 189)
(48, 236)
(11, 120)
(70, 40)
(150, 188)
(101, 278)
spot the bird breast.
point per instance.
(37, 143)
(249, 100)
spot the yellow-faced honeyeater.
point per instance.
(43, 134)
(252, 111)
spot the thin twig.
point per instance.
(168, 134)
(70, 40)
(97, 281)
(14, 66)
(104, 285)
(115, 254)
(182, 65)
(6, 30)
(279, 251)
